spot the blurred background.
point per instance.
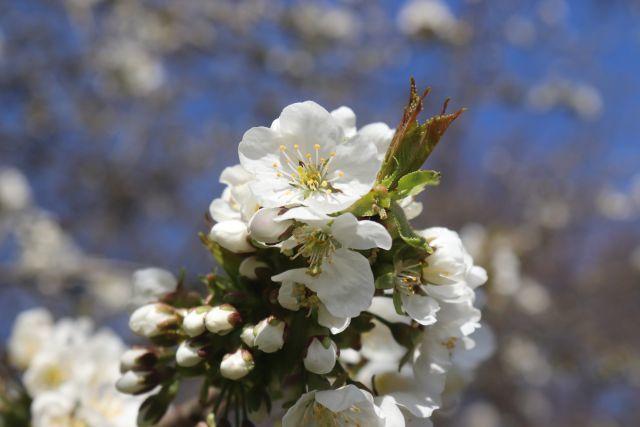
(117, 117)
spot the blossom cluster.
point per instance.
(332, 305)
(68, 373)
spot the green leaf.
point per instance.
(405, 230)
(413, 142)
(415, 182)
(397, 302)
(229, 261)
(386, 281)
(154, 407)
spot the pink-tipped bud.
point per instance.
(269, 334)
(237, 365)
(222, 319)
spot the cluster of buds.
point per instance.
(329, 294)
(138, 369)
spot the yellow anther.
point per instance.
(275, 165)
(332, 154)
(316, 146)
(296, 146)
(283, 148)
(340, 174)
(324, 183)
(308, 155)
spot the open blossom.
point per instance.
(448, 276)
(304, 158)
(29, 334)
(313, 207)
(450, 262)
(340, 276)
(344, 406)
(71, 374)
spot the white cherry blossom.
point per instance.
(340, 276)
(304, 158)
(345, 406)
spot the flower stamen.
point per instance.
(316, 245)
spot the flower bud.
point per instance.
(137, 359)
(222, 319)
(269, 334)
(150, 284)
(264, 228)
(133, 382)
(187, 354)
(236, 365)
(321, 356)
(152, 320)
(193, 323)
(248, 336)
(249, 266)
(232, 235)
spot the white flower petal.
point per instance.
(421, 308)
(220, 210)
(304, 214)
(389, 411)
(235, 175)
(378, 134)
(296, 413)
(346, 118)
(287, 295)
(328, 320)
(360, 235)
(345, 285)
(343, 398)
(311, 121)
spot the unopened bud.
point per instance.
(193, 323)
(137, 359)
(187, 354)
(269, 334)
(152, 320)
(222, 319)
(263, 226)
(232, 235)
(150, 284)
(236, 365)
(249, 266)
(321, 356)
(248, 336)
(133, 382)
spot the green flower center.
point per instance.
(316, 245)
